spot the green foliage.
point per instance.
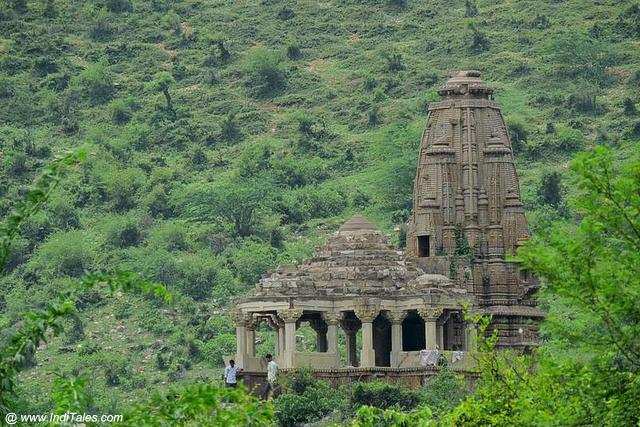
(264, 72)
(368, 416)
(70, 394)
(443, 392)
(305, 400)
(96, 82)
(201, 404)
(383, 395)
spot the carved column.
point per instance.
(240, 320)
(320, 328)
(332, 319)
(471, 337)
(350, 327)
(396, 317)
(289, 316)
(281, 340)
(430, 316)
(366, 314)
(250, 329)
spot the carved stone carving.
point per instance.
(430, 314)
(241, 318)
(332, 317)
(290, 315)
(396, 316)
(366, 313)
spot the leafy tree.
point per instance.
(550, 190)
(201, 404)
(241, 203)
(590, 272)
(162, 82)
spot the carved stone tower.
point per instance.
(467, 215)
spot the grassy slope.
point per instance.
(547, 61)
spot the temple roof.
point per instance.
(356, 260)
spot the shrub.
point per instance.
(121, 110)
(122, 232)
(443, 392)
(550, 190)
(470, 9)
(97, 83)
(629, 107)
(251, 260)
(264, 72)
(66, 253)
(383, 395)
(313, 401)
(584, 103)
(368, 416)
(214, 349)
(568, 138)
(518, 133)
(293, 51)
(479, 41)
(119, 6)
(202, 404)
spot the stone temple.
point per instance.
(407, 308)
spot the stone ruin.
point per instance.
(411, 305)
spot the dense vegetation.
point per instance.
(225, 138)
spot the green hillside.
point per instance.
(226, 138)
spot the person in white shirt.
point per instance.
(230, 374)
(272, 377)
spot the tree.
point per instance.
(162, 83)
(238, 202)
(588, 371)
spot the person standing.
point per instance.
(230, 374)
(272, 377)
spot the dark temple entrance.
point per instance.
(382, 340)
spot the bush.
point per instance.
(568, 138)
(121, 110)
(383, 395)
(119, 6)
(264, 71)
(443, 392)
(214, 349)
(97, 83)
(518, 133)
(368, 416)
(550, 190)
(312, 401)
(202, 404)
(251, 260)
(66, 254)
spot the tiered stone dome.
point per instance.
(356, 260)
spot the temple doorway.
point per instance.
(382, 340)
(413, 332)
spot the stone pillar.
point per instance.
(471, 337)
(276, 347)
(290, 316)
(320, 328)
(251, 338)
(366, 314)
(396, 317)
(332, 319)
(350, 327)
(281, 340)
(240, 319)
(430, 316)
